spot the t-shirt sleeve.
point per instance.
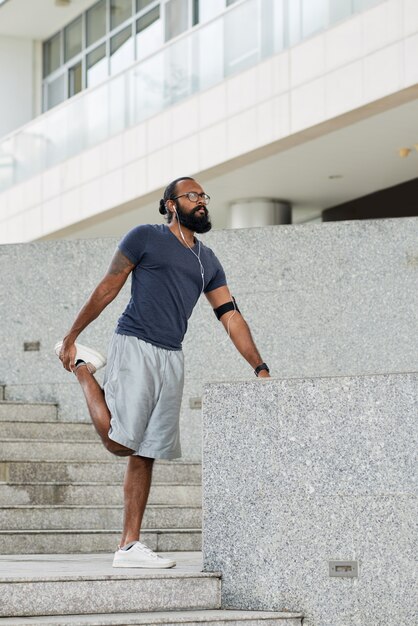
(133, 244)
(218, 278)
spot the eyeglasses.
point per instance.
(194, 196)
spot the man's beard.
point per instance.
(197, 223)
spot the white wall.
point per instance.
(17, 63)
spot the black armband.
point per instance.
(224, 308)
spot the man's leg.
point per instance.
(99, 412)
(136, 490)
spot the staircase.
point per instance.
(60, 519)
(61, 491)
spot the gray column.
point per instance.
(251, 212)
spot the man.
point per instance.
(136, 414)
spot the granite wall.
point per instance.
(321, 299)
(300, 472)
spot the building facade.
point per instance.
(285, 110)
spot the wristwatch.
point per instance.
(260, 367)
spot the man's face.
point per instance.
(192, 215)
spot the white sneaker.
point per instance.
(138, 555)
(94, 360)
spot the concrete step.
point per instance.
(51, 431)
(88, 541)
(41, 449)
(23, 411)
(112, 470)
(68, 584)
(214, 617)
(97, 517)
(93, 493)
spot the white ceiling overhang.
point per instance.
(38, 19)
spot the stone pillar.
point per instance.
(252, 212)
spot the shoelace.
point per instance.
(145, 548)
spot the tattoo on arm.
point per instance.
(120, 264)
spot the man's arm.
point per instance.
(106, 291)
(238, 329)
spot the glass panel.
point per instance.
(149, 36)
(314, 16)
(96, 115)
(176, 18)
(120, 10)
(142, 4)
(339, 10)
(362, 5)
(121, 50)
(96, 22)
(52, 54)
(76, 139)
(75, 80)
(209, 59)
(272, 27)
(241, 38)
(8, 164)
(73, 39)
(56, 136)
(56, 91)
(179, 79)
(117, 105)
(147, 88)
(207, 10)
(97, 66)
(294, 22)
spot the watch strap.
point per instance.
(259, 368)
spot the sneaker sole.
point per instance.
(139, 565)
(100, 359)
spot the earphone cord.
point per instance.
(202, 273)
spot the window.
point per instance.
(121, 50)
(142, 4)
(96, 22)
(73, 39)
(75, 79)
(176, 18)
(52, 54)
(120, 11)
(56, 91)
(149, 33)
(97, 63)
(205, 10)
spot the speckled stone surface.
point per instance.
(88, 541)
(67, 584)
(160, 618)
(60, 517)
(298, 472)
(321, 299)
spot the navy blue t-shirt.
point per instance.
(166, 284)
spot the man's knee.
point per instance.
(117, 448)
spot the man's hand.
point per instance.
(263, 374)
(67, 354)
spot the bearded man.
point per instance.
(137, 412)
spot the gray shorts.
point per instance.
(143, 388)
